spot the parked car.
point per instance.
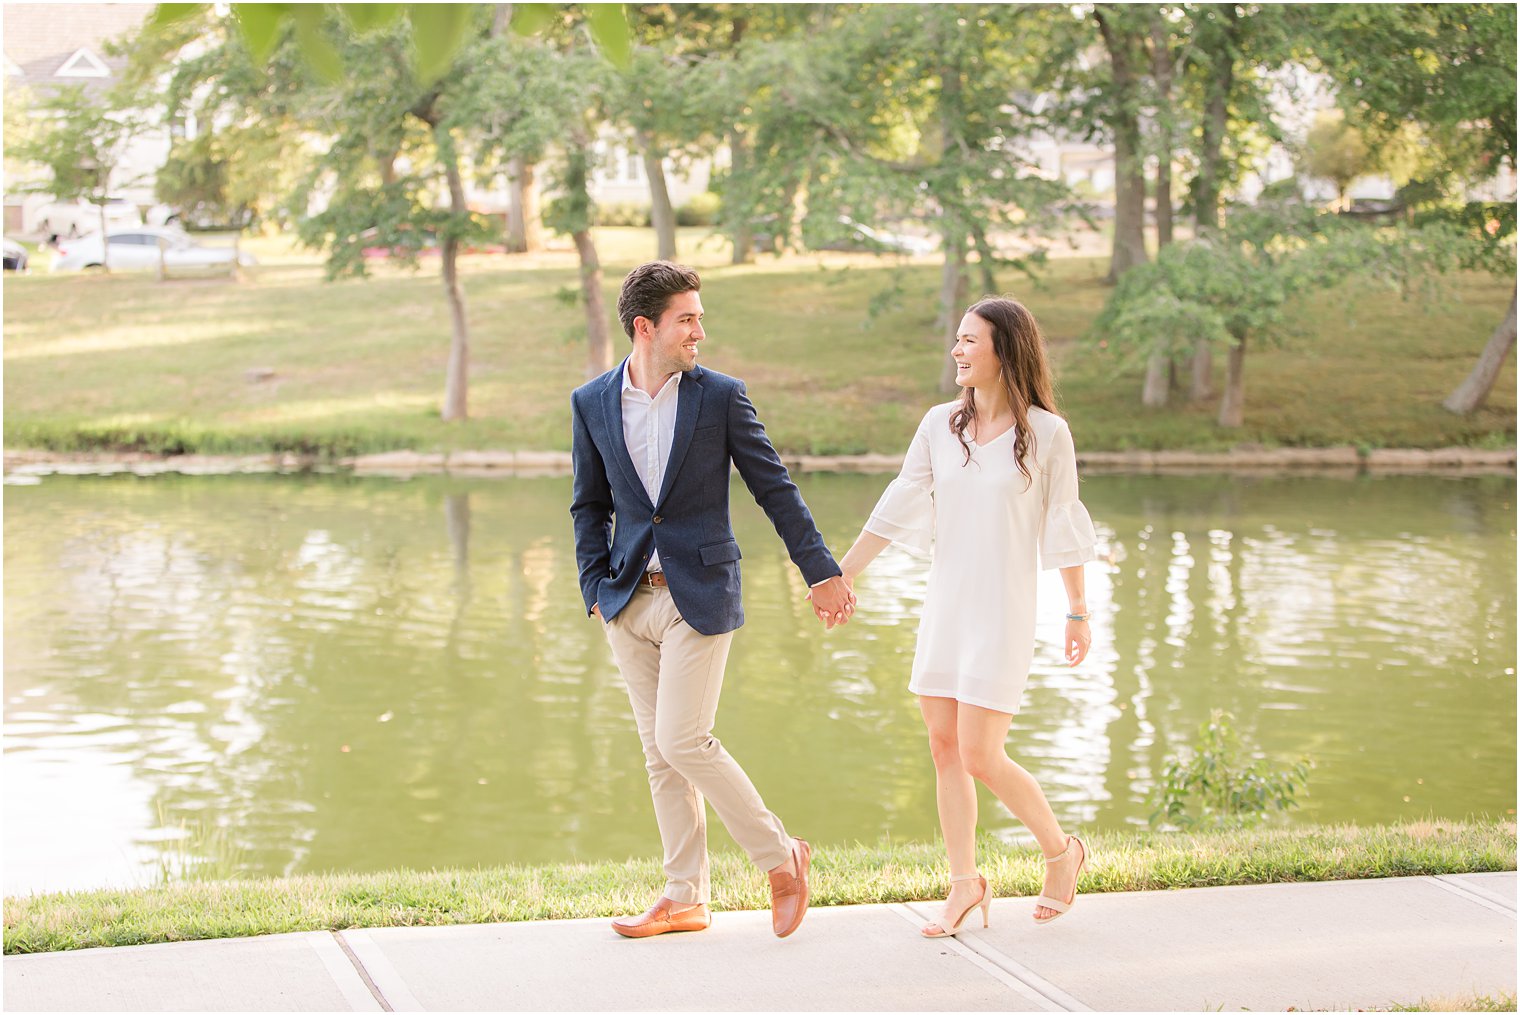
(80, 218)
(138, 249)
(15, 255)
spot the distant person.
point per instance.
(659, 568)
(991, 481)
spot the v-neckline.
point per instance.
(994, 440)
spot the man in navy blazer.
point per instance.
(652, 442)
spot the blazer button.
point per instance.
(658, 519)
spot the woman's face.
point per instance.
(976, 360)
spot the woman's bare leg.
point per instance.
(983, 734)
(955, 793)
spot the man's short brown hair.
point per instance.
(648, 288)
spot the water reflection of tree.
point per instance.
(227, 638)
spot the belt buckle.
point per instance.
(649, 579)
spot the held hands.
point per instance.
(833, 601)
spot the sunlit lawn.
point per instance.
(359, 364)
(842, 876)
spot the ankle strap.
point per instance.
(1067, 851)
(968, 877)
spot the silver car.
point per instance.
(15, 255)
(141, 250)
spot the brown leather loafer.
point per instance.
(789, 893)
(660, 920)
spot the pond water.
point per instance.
(284, 675)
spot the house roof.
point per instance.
(42, 39)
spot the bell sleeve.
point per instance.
(905, 512)
(1066, 530)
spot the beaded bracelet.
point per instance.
(1078, 616)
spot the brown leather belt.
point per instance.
(653, 579)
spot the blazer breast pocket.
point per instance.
(705, 433)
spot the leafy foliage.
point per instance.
(1335, 151)
(81, 142)
(1216, 785)
(439, 32)
(1252, 280)
(1447, 67)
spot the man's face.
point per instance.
(673, 339)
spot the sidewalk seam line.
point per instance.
(1471, 894)
(997, 970)
(363, 973)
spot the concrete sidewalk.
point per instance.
(1342, 944)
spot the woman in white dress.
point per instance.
(991, 479)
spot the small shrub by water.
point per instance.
(1215, 785)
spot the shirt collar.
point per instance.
(629, 386)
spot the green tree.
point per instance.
(1245, 286)
(397, 94)
(78, 142)
(1223, 114)
(247, 148)
(583, 81)
(1450, 71)
(897, 112)
(669, 98)
(1125, 31)
(1334, 150)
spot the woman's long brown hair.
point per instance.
(1024, 370)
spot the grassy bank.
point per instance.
(126, 362)
(886, 872)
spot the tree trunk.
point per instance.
(1219, 80)
(1203, 371)
(661, 214)
(1471, 393)
(791, 213)
(985, 260)
(950, 191)
(1129, 163)
(1161, 69)
(1164, 228)
(952, 301)
(105, 242)
(1232, 408)
(1158, 381)
(456, 385)
(524, 229)
(738, 211)
(735, 211)
(598, 345)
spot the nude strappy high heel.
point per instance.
(1056, 904)
(935, 930)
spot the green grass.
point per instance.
(1471, 1002)
(887, 872)
(127, 362)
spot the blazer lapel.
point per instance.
(612, 417)
(689, 400)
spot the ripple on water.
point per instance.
(220, 652)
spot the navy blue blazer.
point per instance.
(688, 521)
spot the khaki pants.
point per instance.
(674, 676)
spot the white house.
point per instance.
(50, 46)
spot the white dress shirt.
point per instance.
(649, 428)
